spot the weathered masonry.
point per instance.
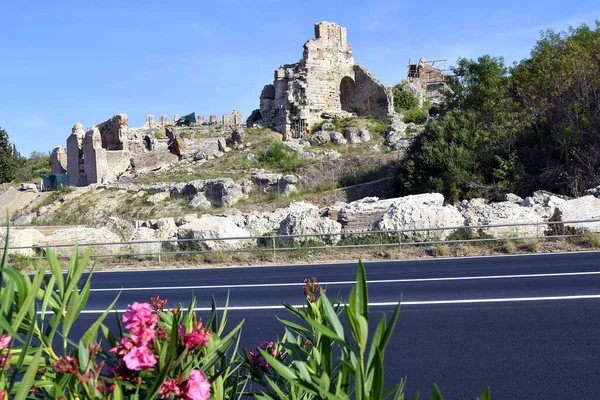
(107, 150)
(324, 84)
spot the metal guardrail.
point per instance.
(276, 243)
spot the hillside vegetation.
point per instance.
(532, 126)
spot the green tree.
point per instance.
(9, 158)
(37, 163)
(558, 94)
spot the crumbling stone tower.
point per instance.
(324, 84)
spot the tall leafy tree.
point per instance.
(9, 158)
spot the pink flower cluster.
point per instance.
(258, 360)
(197, 387)
(137, 351)
(4, 343)
(197, 338)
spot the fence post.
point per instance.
(537, 230)
(273, 239)
(159, 253)
(399, 240)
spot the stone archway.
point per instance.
(347, 94)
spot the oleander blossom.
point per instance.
(137, 351)
(5, 341)
(197, 338)
(197, 387)
(258, 360)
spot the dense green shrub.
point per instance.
(416, 115)
(403, 99)
(277, 156)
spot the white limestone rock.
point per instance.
(214, 227)
(79, 235)
(145, 249)
(478, 213)
(411, 215)
(583, 208)
(21, 238)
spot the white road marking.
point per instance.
(391, 303)
(334, 283)
(346, 263)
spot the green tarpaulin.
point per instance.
(187, 119)
(52, 182)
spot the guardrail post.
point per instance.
(159, 253)
(273, 239)
(537, 230)
(399, 240)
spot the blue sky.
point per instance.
(86, 60)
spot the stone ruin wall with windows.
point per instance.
(325, 84)
(105, 151)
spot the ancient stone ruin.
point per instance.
(426, 82)
(107, 150)
(324, 84)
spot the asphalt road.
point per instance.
(525, 325)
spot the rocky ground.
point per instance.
(322, 186)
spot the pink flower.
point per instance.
(198, 387)
(124, 348)
(139, 358)
(170, 386)
(139, 314)
(2, 394)
(141, 334)
(198, 337)
(5, 341)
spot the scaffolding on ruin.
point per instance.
(431, 78)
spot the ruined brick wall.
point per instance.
(95, 161)
(322, 84)
(114, 132)
(75, 166)
(370, 96)
(58, 160)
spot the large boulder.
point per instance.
(267, 182)
(145, 249)
(79, 235)
(305, 219)
(478, 213)
(362, 215)
(207, 150)
(224, 192)
(337, 137)
(29, 187)
(21, 238)
(237, 136)
(353, 135)
(410, 215)
(120, 227)
(583, 208)
(213, 227)
(320, 137)
(166, 228)
(268, 223)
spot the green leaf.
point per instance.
(90, 335)
(324, 385)
(332, 316)
(437, 395)
(390, 329)
(56, 270)
(487, 395)
(83, 354)
(29, 376)
(362, 293)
